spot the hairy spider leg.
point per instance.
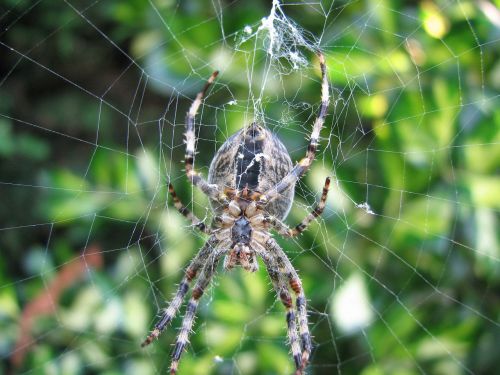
(195, 221)
(299, 169)
(211, 190)
(284, 230)
(300, 301)
(187, 322)
(282, 292)
(190, 274)
(316, 212)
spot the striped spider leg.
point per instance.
(298, 171)
(283, 275)
(285, 231)
(282, 292)
(189, 275)
(207, 259)
(186, 212)
(202, 283)
(300, 300)
(211, 190)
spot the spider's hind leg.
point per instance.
(211, 190)
(301, 168)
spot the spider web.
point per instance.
(401, 271)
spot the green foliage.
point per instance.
(413, 132)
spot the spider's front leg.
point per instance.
(300, 302)
(282, 292)
(190, 274)
(187, 322)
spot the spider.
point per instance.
(250, 186)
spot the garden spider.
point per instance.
(250, 185)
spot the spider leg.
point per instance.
(281, 288)
(211, 190)
(284, 230)
(300, 301)
(298, 171)
(187, 322)
(186, 212)
(190, 274)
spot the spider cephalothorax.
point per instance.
(250, 186)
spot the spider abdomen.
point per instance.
(253, 158)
